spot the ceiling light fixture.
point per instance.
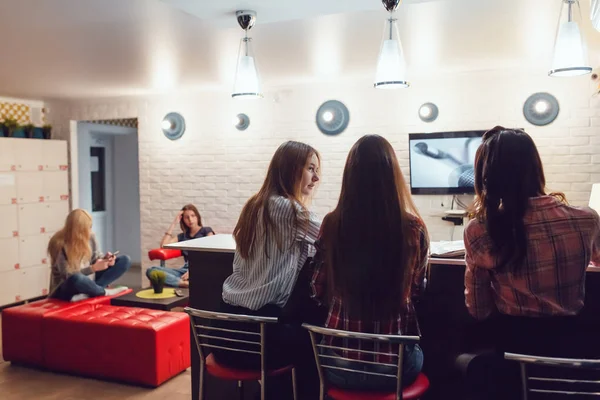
(247, 79)
(391, 65)
(570, 52)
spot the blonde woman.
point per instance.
(74, 255)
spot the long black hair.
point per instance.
(508, 172)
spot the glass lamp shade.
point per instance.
(595, 14)
(247, 80)
(391, 65)
(570, 52)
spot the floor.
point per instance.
(21, 383)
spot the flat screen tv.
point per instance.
(442, 163)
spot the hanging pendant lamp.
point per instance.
(570, 52)
(247, 80)
(391, 65)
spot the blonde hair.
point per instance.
(74, 238)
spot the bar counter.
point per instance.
(446, 326)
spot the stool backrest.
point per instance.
(325, 352)
(207, 335)
(585, 387)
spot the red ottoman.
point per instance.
(22, 327)
(133, 345)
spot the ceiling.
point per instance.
(92, 48)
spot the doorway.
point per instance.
(105, 182)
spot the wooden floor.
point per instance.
(20, 383)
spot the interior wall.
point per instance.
(217, 167)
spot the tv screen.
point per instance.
(442, 163)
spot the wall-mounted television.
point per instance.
(442, 163)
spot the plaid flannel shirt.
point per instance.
(405, 323)
(562, 240)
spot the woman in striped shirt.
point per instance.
(274, 236)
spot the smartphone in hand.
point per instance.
(116, 253)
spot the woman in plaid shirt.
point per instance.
(370, 264)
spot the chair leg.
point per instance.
(294, 387)
(202, 382)
(321, 392)
(241, 390)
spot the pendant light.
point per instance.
(391, 65)
(247, 80)
(570, 52)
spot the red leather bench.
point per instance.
(95, 339)
(135, 345)
(163, 255)
(22, 327)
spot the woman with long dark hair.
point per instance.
(526, 251)
(373, 248)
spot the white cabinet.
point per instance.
(8, 188)
(29, 154)
(10, 223)
(32, 250)
(32, 219)
(9, 250)
(55, 214)
(8, 161)
(9, 282)
(30, 187)
(34, 281)
(34, 193)
(55, 155)
(55, 185)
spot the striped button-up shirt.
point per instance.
(561, 242)
(269, 278)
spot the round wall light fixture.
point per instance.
(332, 117)
(541, 109)
(241, 122)
(173, 125)
(428, 112)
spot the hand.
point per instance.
(178, 218)
(100, 265)
(185, 277)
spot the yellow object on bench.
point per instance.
(149, 294)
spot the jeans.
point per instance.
(413, 363)
(173, 274)
(80, 283)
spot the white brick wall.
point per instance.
(218, 168)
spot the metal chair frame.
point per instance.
(391, 339)
(582, 364)
(197, 329)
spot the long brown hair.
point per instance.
(190, 207)
(283, 179)
(508, 172)
(74, 238)
(367, 238)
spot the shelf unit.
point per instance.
(34, 202)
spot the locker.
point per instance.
(34, 281)
(55, 186)
(32, 219)
(55, 215)
(9, 286)
(8, 216)
(30, 187)
(32, 250)
(28, 154)
(55, 155)
(8, 188)
(8, 161)
(9, 248)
